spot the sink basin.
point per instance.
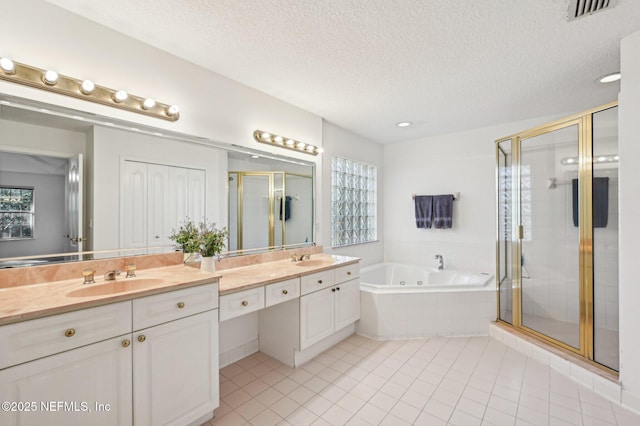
(115, 287)
(315, 263)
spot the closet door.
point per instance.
(197, 194)
(133, 226)
(178, 209)
(158, 202)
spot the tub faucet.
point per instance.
(440, 262)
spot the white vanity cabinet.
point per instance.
(295, 331)
(175, 363)
(50, 384)
(150, 361)
(326, 311)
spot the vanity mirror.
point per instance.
(72, 182)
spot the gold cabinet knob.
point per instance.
(245, 303)
(180, 305)
(126, 343)
(337, 288)
(70, 332)
(348, 272)
(333, 290)
(285, 292)
(142, 338)
(319, 281)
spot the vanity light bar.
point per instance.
(283, 142)
(611, 158)
(84, 89)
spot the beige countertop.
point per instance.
(31, 301)
(39, 300)
(246, 277)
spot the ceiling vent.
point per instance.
(582, 8)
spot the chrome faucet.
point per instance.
(440, 262)
(111, 275)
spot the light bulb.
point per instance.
(290, 142)
(7, 65)
(148, 103)
(173, 110)
(278, 139)
(120, 96)
(301, 145)
(404, 124)
(50, 77)
(319, 150)
(87, 87)
(265, 136)
(602, 158)
(610, 78)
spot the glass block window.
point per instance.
(353, 202)
(16, 213)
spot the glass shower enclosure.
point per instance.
(557, 233)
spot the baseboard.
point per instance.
(238, 353)
(300, 357)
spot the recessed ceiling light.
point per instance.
(404, 124)
(610, 78)
(255, 156)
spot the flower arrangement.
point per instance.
(211, 240)
(186, 237)
(205, 238)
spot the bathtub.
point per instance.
(399, 301)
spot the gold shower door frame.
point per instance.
(585, 205)
(240, 209)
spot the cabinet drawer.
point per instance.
(29, 340)
(317, 281)
(164, 307)
(281, 292)
(346, 273)
(240, 303)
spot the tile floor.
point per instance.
(437, 381)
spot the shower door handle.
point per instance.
(521, 232)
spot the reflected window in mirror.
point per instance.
(16, 212)
(353, 202)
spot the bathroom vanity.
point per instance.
(145, 350)
(304, 307)
(145, 355)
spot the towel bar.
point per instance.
(456, 196)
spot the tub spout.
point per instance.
(440, 262)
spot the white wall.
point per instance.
(110, 147)
(212, 106)
(629, 148)
(32, 139)
(342, 143)
(461, 162)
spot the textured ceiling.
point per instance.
(367, 64)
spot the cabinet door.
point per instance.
(316, 317)
(90, 385)
(175, 371)
(133, 217)
(347, 304)
(158, 205)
